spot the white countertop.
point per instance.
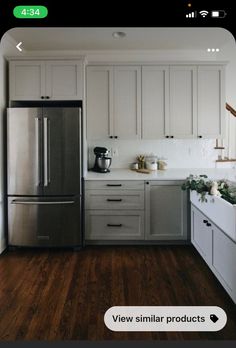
(168, 174)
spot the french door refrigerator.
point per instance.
(44, 164)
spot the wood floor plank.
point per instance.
(63, 295)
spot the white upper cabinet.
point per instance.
(155, 101)
(211, 101)
(64, 80)
(46, 80)
(99, 101)
(113, 102)
(183, 102)
(27, 80)
(127, 102)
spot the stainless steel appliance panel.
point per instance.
(24, 151)
(54, 221)
(61, 151)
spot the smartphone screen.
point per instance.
(117, 173)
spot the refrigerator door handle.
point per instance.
(80, 147)
(37, 151)
(46, 163)
(18, 201)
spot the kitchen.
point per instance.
(149, 91)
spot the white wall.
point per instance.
(2, 110)
(197, 153)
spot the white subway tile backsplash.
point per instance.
(186, 153)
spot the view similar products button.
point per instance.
(165, 318)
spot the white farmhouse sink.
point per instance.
(219, 211)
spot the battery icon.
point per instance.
(218, 14)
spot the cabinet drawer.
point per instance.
(102, 225)
(114, 199)
(114, 185)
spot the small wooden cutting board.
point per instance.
(144, 171)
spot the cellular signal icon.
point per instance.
(191, 14)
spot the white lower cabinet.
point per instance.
(114, 225)
(135, 210)
(216, 248)
(201, 236)
(224, 261)
(166, 211)
(113, 199)
(114, 210)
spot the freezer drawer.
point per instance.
(54, 221)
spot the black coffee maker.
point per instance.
(102, 162)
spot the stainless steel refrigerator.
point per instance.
(44, 176)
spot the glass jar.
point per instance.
(151, 162)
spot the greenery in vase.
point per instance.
(202, 185)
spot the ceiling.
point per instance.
(37, 39)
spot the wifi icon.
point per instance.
(204, 13)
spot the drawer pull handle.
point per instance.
(208, 224)
(114, 225)
(114, 200)
(114, 185)
(205, 221)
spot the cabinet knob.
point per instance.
(111, 137)
(172, 136)
(200, 136)
(147, 182)
(42, 97)
(205, 221)
(116, 137)
(47, 97)
(208, 224)
(167, 136)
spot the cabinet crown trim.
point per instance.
(81, 59)
(163, 62)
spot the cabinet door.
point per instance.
(183, 98)
(155, 101)
(99, 87)
(223, 262)
(64, 80)
(201, 234)
(27, 80)
(166, 211)
(211, 100)
(127, 102)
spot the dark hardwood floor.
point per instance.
(63, 295)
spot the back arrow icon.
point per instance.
(18, 46)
